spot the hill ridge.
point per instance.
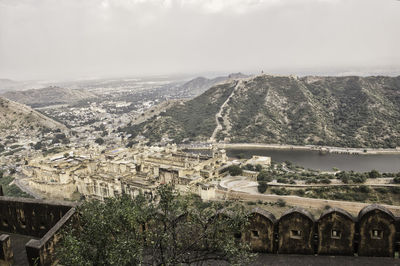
(347, 111)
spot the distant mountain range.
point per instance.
(48, 96)
(339, 111)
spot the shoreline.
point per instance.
(323, 149)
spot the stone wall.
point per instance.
(31, 217)
(336, 232)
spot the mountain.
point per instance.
(18, 118)
(7, 84)
(47, 96)
(337, 111)
(198, 85)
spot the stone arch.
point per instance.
(296, 232)
(336, 231)
(259, 233)
(377, 232)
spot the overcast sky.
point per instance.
(92, 38)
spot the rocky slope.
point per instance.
(338, 111)
(16, 118)
(47, 96)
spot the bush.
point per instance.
(281, 203)
(264, 176)
(365, 189)
(262, 187)
(249, 167)
(235, 170)
(396, 180)
(99, 141)
(280, 191)
(282, 180)
(325, 181)
(374, 174)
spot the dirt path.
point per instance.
(218, 115)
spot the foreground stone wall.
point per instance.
(29, 216)
(336, 232)
(37, 218)
(373, 233)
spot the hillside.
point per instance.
(47, 96)
(17, 118)
(198, 85)
(337, 111)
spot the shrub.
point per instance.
(396, 180)
(280, 191)
(235, 170)
(262, 187)
(99, 141)
(281, 203)
(374, 174)
(264, 176)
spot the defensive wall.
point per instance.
(375, 232)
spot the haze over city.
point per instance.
(63, 39)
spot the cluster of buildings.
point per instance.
(96, 173)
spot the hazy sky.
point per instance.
(83, 38)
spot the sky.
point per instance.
(61, 39)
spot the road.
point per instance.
(22, 181)
(238, 188)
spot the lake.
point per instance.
(316, 160)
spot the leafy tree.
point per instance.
(258, 167)
(264, 176)
(262, 187)
(235, 170)
(396, 180)
(374, 174)
(172, 230)
(249, 167)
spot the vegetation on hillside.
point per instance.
(333, 111)
(192, 120)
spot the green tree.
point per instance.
(396, 180)
(264, 176)
(172, 230)
(235, 170)
(374, 174)
(262, 187)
